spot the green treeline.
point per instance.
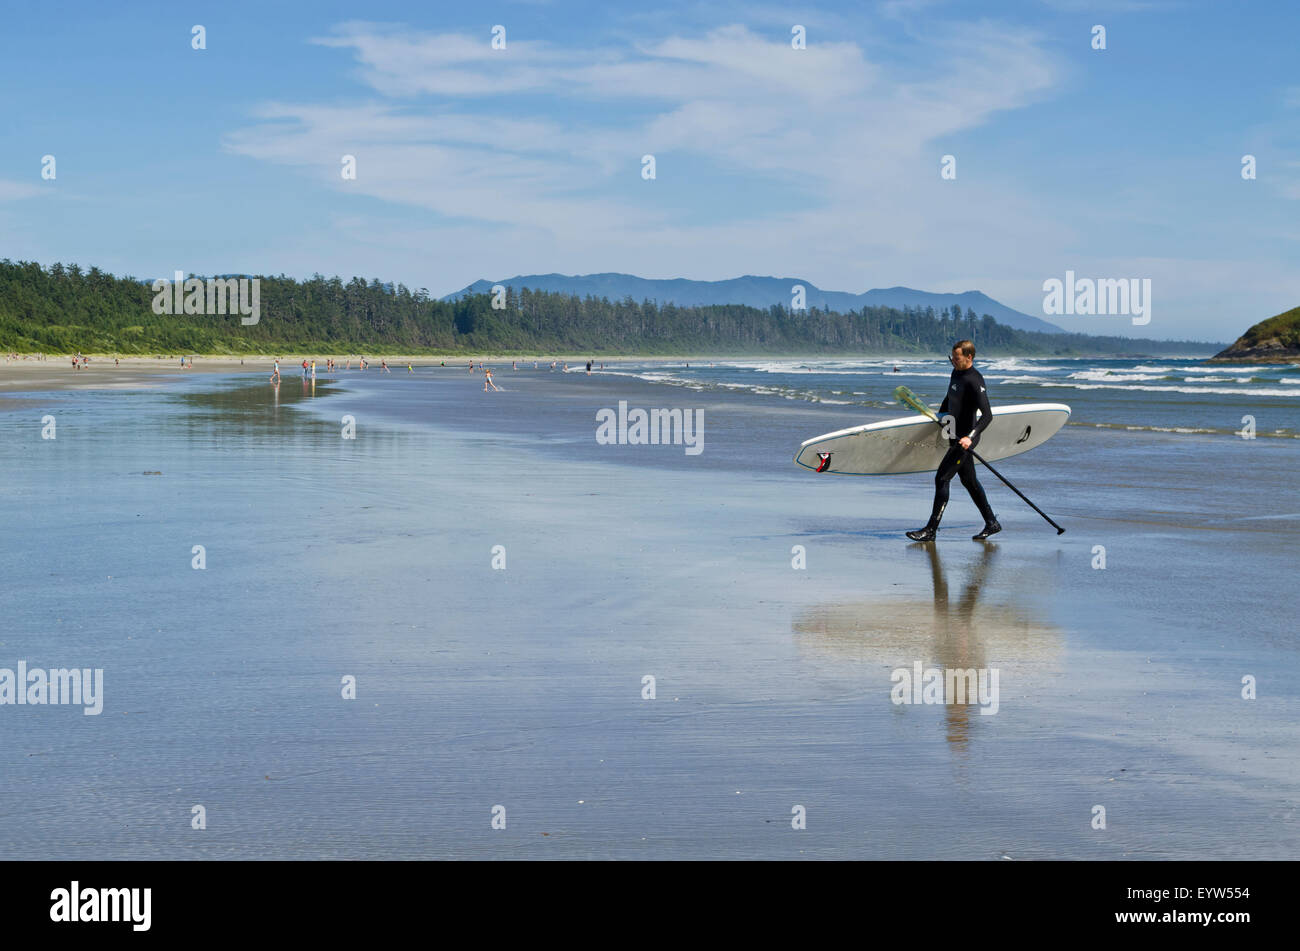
(63, 309)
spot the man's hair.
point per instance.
(966, 347)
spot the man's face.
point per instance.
(960, 361)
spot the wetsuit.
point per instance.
(966, 394)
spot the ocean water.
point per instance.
(500, 586)
(1181, 394)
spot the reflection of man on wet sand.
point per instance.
(936, 630)
(957, 645)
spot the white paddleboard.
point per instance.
(916, 444)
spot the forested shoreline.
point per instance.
(65, 309)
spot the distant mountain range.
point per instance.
(761, 292)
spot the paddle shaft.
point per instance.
(1059, 529)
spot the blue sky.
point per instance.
(820, 163)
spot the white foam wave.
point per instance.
(1216, 390)
(1281, 433)
(823, 366)
(1011, 364)
(1114, 376)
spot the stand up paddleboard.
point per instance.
(916, 444)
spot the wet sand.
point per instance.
(523, 686)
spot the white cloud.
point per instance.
(825, 121)
(12, 191)
(1114, 6)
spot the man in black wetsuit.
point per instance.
(966, 394)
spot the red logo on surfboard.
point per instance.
(825, 461)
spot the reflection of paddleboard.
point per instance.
(917, 444)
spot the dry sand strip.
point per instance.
(56, 373)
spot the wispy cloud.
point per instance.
(12, 191)
(1113, 6)
(511, 136)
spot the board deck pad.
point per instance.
(917, 444)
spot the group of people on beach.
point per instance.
(488, 383)
(83, 363)
(78, 361)
(331, 366)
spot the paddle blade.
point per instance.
(908, 398)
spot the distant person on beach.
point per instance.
(275, 373)
(487, 380)
(515, 365)
(588, 368)
(383, 365)
(409, 368)
(966, 394)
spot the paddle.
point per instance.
(908, 398)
